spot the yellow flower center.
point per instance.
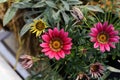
(102, 38)
(40, 25)
(94, 68)
(56, 45)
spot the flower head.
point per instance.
(38, 27)
(104, 36)
(77, 14)
(56, 43)
(82, 76)
(26, 61)
(96, 69)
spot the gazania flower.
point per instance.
(26, 61)
(56, 43)
(96, 69)
(82, 76)
(38, 27)
(104, 36)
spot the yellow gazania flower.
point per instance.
(38, 27)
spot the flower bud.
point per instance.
(77, 14)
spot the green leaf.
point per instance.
(9, 15)
(74, 2)
(24, 29)
(2, 1)
(51, 4)
(66, 5)
(94, 8)
(23, 5)
(39, 4)
(65, 17)
(112, 69)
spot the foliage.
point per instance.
(57, 13)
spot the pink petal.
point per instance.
(67, 47)
(112, 45)
(61, 54)
(46, 38)
(113, 33)
(102, 49)
(99, 26)
(105, 25)
(50, 33)
(47, 53)
(56, 32)
(45, 49)
(94, 30)
(93, 35)
(110, 28)
(63, 34)
(96, 45)
(107, 47)
(51, 54)
(113, 40)
(67, 40)
(44, 45)
(57, 57)
(67, 51)
(93, 39)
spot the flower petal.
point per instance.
(56, 32)
(102, 49)
(67, 47)
(50, 33)
(107, 47)
(44, 45)
(51, 54)
(94, 30)
(45, 49)
(46, 38)
(93, 39)
(96, 45)
(113, 40)
(93, 35)
(112, 45)
(57, 57)
(105, 25)
(61, 54)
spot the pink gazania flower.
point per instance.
(26, 61)
(56, 43)
(104, 36)
(96, 69)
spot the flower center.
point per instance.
(56, 45)
(102, 37)
(40, 25)
(94, 68)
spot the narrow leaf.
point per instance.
(51, 4)
(66, 5)
(9, 15)
(65, 17)
(94, 8)
(113, 69)
(23, 5)
(39, 4)
(24, 29)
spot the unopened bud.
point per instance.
(77, 14)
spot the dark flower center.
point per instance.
(102, 37)
(56, 44)
(40, 25)
(94, 68)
